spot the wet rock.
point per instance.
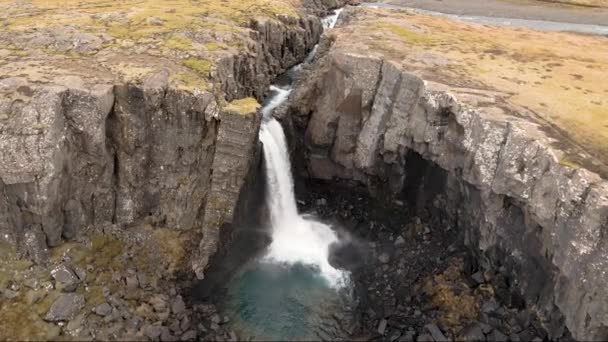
(382, 326)
(65, 279)
(65, 307)
(436, 332)
(178, 306)
(472, 333)
(103, 309)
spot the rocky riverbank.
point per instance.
(415, 279)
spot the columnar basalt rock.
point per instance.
(505, 186)
(235, 147)
(78, 152)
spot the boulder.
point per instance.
(65, 278)
(65, 307)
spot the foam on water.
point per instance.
(295, 239)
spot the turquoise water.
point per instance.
(267, 301)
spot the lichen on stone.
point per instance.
(244, 106)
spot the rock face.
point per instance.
(494, 175)
(78, 155)
(235, 145)
(77, 152)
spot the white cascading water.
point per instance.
(295, 239)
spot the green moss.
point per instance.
(568, 163)
(402, 32)
(186, 81)
(213, 46)
(179, 43)
(201, 66)
(244, 106)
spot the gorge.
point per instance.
(387, 188)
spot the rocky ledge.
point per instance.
(411, 126)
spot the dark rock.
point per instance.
(409, 336)
(103, 309)
(436, 332)
(382, 326)
(472, 333)
(384, 258)
(478, 277)
(65, 307)
(189, 335)
(394, 335)
(514, 338)
(527, 335)
(216, 319)
(486, 328)
(498, 336)
(425, 338)
(490, 306)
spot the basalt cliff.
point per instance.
(396, 112)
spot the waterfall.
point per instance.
(331, 20)
(295, 239)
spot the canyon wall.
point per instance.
(76, 152)
(543, 224)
